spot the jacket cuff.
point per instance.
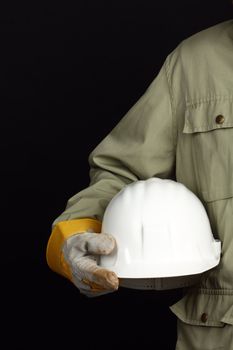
(60, 233)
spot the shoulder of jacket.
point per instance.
(200, 44)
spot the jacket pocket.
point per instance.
(203, 309)
(205, 321)
(208, 126)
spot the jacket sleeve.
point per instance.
(140, 146)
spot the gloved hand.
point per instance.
(82, 251)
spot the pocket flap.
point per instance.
(199, 309)
(228, 317)
(206, 116)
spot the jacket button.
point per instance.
(219, 119)
(204, 317)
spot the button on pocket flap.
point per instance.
(208, 116)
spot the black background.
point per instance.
(69, 72)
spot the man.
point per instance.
(181, 128)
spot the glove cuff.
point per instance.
(60, 233)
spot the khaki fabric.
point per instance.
(204, 323)
(203, 338)
(181, 128)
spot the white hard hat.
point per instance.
(162, 230)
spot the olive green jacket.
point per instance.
(181, 128)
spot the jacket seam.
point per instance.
(171, 95)
(215, 291)
(209, 126)
(195, 103)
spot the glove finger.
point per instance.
(86, 268)
(106, 278)
(87, 289)
(84, 285)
